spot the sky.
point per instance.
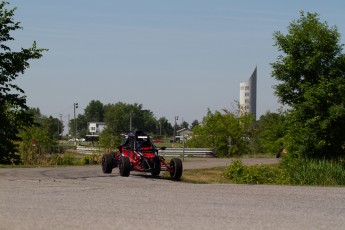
(176, 58)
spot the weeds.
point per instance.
(64, 159)
(316, 172)
(294, 172)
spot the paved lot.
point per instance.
(84, 198)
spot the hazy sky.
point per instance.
(176, 58)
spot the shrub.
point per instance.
(259, 174)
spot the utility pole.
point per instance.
(176, 118)
(58, 123)
(69, 127)
(75, 124)
(61, 122)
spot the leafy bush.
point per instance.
(259, 174)
(226, 132)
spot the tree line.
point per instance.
(121, 117)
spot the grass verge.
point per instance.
(206, 176)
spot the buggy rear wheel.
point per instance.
(107, 163)
(156, 169)
(177, 168)
(124, 166)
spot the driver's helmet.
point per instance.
(145, 144)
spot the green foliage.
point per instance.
(228, 134)
(271, 131)
(194, 124)
(109, 139)
(53, 125)
(69, 159)
(261, 174)
(313, 85)
(122, 117)
(165, 128)
(81, 126)
(93, 159)
(119, 118)
(315, 171)
(290, 171)
(94, 111)
(38, 139)
(36, 142)
(65, 159)
(184, 124)
(12, 99)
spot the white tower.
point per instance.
(248, 95)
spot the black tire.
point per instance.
(124, 166)
(278, 154)
(107, 163)
(177, 168)
(156, 169)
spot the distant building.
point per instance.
(183, 133)
(94, 129)
(248, 95)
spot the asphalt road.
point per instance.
(85, 198)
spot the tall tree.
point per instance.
(94, 112)
(123, 117)
(184, 124)
(53, 125)
(12, 99)
(194, 124)
(312, 75)
(227, 133)
(165, 128)
(271, 131)
(81, 124)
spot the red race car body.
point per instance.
(138, 153)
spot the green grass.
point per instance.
(316, 172)
(206, 176)
(295, 172)
(311, 172)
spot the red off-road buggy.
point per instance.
(138, 153)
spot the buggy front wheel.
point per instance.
(156, 167)
(176, 168)
(124, 166)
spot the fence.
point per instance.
(168, 152)
(188, 152)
